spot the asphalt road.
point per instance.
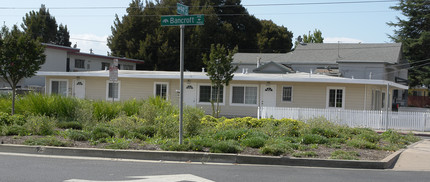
(34, 168)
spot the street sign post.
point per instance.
(181, 9)
(182, 20)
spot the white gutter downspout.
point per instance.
(387, 97)
(365, 96)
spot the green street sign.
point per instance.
(182, 20)
(181, 9)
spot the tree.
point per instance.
(139, 35)
(220, 70)
(315, 37)
(20, 57)
(414, 34)
(274, 38)
(42, 24)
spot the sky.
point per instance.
(89, 22)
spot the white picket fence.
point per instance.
(416, 121)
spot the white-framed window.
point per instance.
(336, 97)
(127, 67)
(160, 89)
(244, 95)
(80, 63)
(59, 87)
(105, 66)
(287, 93)
(208, 93)
(113, 90)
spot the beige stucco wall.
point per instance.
(305, 95)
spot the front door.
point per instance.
(190, 94)
(268, 95)
(79, 88)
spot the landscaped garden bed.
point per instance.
(152, 124)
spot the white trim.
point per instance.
(107, 91)
(328, 97)
(244, 85)
(292, 93)
(208, 103)
(59, 80)
(167, 88)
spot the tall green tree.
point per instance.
(315, 37)
(220, 70)
(139, 35)
(42, 24)
(414, 34)
(20, 57)
(273, 38)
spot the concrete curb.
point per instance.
(386, 163)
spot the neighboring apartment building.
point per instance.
(353, 60)
(68, 59)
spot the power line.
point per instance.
(220, 6)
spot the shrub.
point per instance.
(126, 122)
(70, 125)
(186, 146)
(147, 130)
(202, 141)
(305, 154)
(231, 134)
(228, 146)
(40, 125)
(105, 111)
(274, 149)
(101, 132)
(47, 141)
(167, 126)
(369, 136)
(15, 130)
(313, 139)
(4, 119)
(18, 119)
(340, 154)
(254, 142)
(191, 120)
(327, 132)
(131, 107)
(361, 143)
(117, 143)
(77, 135)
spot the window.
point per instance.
(161, 90)
(59, 87)
(105, 66)
(287, 93)
(79, 63)
(113, 91)
(244, 95)
(127, 67)
(336, 97)
(208, 93)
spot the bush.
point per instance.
(147, 130)
(254, 142)
(101, 132)
(191, 120)
(202, 141)
(117, 143)
(369, 136)
(70, 125)
(47, 141)
(15, 130)
(228, 146)
(305, 154)
(167, 126)
(40, 125)
(274, 149)
(186, 146)
(77, 135)
(340, 154)
(361, 144)
(231, 134)
(313, 139)
(105, 111)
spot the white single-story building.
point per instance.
(245, 93)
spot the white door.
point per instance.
(190, 94)
(79, 88)
(268, 95)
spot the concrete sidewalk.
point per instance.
(415, 158)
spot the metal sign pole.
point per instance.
(181, 100)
